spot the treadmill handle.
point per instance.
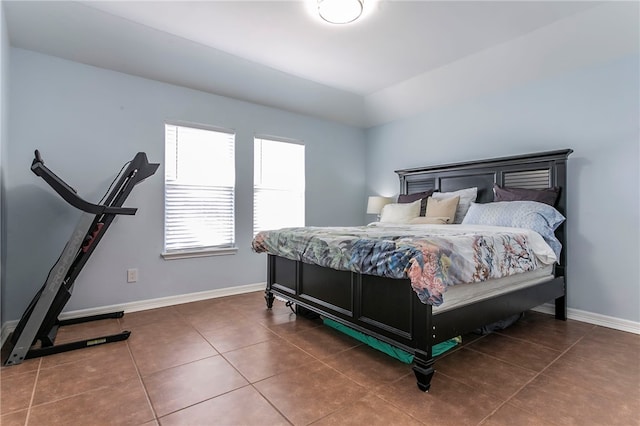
(69, 194)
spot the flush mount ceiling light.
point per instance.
(340, 11)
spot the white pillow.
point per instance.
(467, 196)
(400, 213)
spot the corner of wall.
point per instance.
(4, 87)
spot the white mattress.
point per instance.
(465, 294)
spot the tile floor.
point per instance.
(229, 361)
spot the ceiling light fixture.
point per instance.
(340, 11)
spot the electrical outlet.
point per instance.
(132, 275)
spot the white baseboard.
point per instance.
(144, 305)
(596, 319)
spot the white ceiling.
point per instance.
(279, 53)
(394, 40)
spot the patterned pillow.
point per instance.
(533, 215)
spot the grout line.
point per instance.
(530, 381)
(146, 392)
(200, 402)
(33, 392)
(391, 403)
(459, 347)
(509, 362)
(368, 391)
(342, 408)
(269, 402)
(315, 359)
(56, 398)
(249, 383)
(499, 332)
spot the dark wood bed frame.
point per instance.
(388, 309)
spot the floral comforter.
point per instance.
(433, 257)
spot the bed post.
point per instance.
(561, 307)
(423, 369)
(422, 339)
(268, 295)
(560, 180)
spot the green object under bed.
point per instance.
(388, 349)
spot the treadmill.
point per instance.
(40, 322)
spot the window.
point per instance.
(278, 184)
(199, 191)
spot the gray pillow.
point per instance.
(410, 198)
(548, 196)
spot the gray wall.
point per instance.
(4, 125)
(596, 112)
(87, 122)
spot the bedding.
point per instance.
(533, 215)
(433, 257)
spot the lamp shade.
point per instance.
(340, 11)
(375, 204)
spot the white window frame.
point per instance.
(176, 250)
(294, 188)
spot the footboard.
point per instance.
(389, 310)
(384, 308)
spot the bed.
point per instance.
(387, 307)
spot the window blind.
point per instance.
(279, 185)
(199, 188)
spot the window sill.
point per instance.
(186, 254)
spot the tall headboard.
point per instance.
(533, 171)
